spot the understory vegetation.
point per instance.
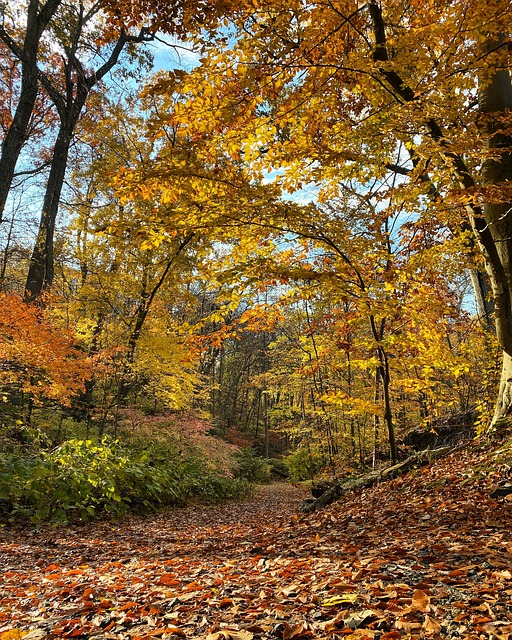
(82, 479)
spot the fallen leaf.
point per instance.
(230, 634)
(355, 620)
(13, 634)
(421, 600)
(346, 598)
(431, 625)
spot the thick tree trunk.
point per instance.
(495, 99)
(17, 134)
(504, 403)
(41, 269)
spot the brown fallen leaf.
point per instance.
(421, 600)
(230, 634)
(431, 625)
(406, 626)
(296, 631)
(156, 633)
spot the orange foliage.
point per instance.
(36, 356)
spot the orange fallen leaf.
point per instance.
(128, 605)
(88, 594)
(156, 633)
(225, 602)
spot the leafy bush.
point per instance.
(279, 468)
(83, 479)
(251, 467)
(304, 464)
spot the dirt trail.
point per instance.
(196, 531)
(428, 555)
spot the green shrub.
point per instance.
(279, 468)
(251, 467)
(304, 464)
(84, 479)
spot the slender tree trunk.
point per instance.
(482, 291)
(376, 422)
(383, 371)
(147, 298)
(266, 425)
(5, 258)
(258, 410)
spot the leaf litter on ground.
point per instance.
(427, 555)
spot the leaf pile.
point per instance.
(427, 555)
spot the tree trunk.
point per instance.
(69, 104)
(485, 304)
(503, 406)
(17, 134)
(41, 269)
(383, 371)
(146, 300)
(495, 100)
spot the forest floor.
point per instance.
(426, 555)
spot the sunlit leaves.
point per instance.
(38, 357)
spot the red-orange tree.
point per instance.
(38, 357)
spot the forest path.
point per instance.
(427, 555)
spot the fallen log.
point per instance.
(339, 488)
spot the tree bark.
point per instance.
(485, 304)
(495, 100)
(41, 268)
(17, 134)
